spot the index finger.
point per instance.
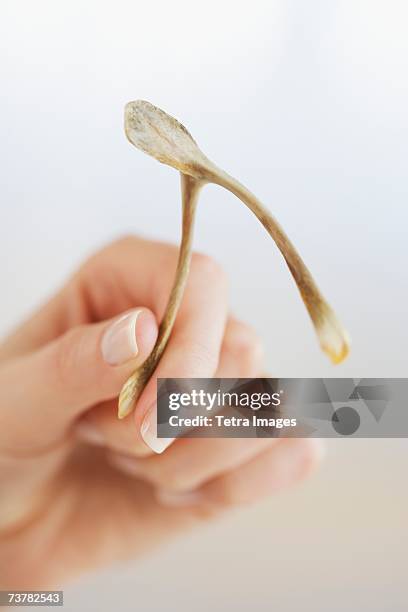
(127, 273)
(194, 348)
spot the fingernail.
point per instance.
(86, 432)
(119, 340)
(176, 500)
(148, 432)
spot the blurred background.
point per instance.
(306, 103)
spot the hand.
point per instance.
(78, 487)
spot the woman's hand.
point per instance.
(78, 487)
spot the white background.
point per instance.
(306, 103)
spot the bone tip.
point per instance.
(334, 340)
(338, 355)
(125, 403)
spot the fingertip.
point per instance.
(147, 331)
(129, 337)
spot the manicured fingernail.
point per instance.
(148, 432)
(86, 432)
(176, 500)
(119, 340)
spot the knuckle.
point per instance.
(171, 479)
(207, 267)
(167, 256)
(226, 495)
(198, 357)
(123, 242)
(99, 266)
(244, 343)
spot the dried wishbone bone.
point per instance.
(133, 387)
(164, 138)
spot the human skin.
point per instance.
(80, 489)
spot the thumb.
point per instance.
(45, 391)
